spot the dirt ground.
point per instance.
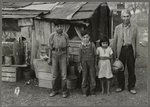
(31, 95)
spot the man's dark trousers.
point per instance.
(127, 57)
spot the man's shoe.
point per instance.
(53, 93)
(132, 91)
(64, 95)
(119, 90)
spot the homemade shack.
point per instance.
(36, 21)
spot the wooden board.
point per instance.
(8, 74)
(9, 69)
(9, 79)
(45, 83)
(24, 65)
(74, 44)
(74, 51)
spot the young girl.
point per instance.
(104, 53)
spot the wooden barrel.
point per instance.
(27, 75)
(72, 82)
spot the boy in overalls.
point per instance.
(87, 54)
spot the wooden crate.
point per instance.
(11, 74)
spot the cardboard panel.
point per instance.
(44, 76)
(45, 83)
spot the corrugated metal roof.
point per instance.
(14, 4)
(46, 7)
(91, 6)
(21, 12)
(83, 11)
(24, 9)
(65, 11)
(53, 10)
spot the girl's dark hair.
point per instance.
(23, 38)
(104, 39)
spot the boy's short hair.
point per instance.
(85, 32)
(104, 39)
(86, 35)
(57, 23)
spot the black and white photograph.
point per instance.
(74, 53)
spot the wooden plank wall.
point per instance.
(74, 50)
(40, 36)
(42, 31)
(27, 31)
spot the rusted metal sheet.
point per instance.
(18, 16)
(65, 11)
(90, 6)
(48, 6)
(82, 15)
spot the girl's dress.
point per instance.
(104, 65)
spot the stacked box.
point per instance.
(11, 74)
(45, 79)
(43, 73)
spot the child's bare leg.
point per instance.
(102, 85)
(108, 86)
